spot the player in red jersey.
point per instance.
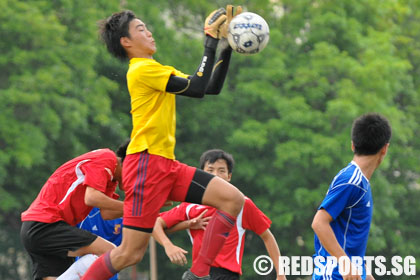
(151, 174)
(48, 230)
(194, 217)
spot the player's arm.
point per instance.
(175, 254)
(200, 222)
(196, 85)
(222, 64)
(322, 228)
(272, 250)
(220, 70)
(113, 208)
(110, 214)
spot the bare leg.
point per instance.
(132, 249)
(224, 196)
(97, 247)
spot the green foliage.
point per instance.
(285, 114)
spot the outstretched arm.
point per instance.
(222, 64)
(196, 85)
(200, 222)
(272, 250)
(175, 254)
(220, 69)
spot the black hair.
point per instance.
(370, 133)
(122, 149)
(113, 29)
(211, 156)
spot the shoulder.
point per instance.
(350, 176)
(104, 155)
(146, 65)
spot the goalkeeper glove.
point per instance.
(213, 23)
(229, 13)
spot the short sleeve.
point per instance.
(254, 219)
(98, 173)
(156, 75)
(340, 197)
(175, 215)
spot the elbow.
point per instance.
(89, 201)
(315, 225)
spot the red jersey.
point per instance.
(62, 198)
(230, 256)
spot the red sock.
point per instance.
(214, 237)
(101, 269)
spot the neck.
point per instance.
(367, 164)
(139, 55)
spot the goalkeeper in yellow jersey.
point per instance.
(151, 175)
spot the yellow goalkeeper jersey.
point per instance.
(152, 108)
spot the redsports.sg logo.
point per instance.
(307, 265)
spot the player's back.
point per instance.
(349, 203)
(62, 196)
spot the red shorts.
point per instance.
(150, 180)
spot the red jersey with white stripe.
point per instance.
(62, 198)
(230, 256)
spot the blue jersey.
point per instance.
(349, 202)
(107, 229)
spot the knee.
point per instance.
(237, 201)
(234, 203)
(131, 258)
(134, 258)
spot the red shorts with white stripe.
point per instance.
(150, 180)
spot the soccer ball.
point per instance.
(248, 33)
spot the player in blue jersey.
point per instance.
(343, 219)
(108, 229)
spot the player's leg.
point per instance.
(97, 247)
(205, 188)
(89, 255)
(229, 202)
(147, 187)
(49, 246)
(78, 268)
(131, 251)
(224, 196)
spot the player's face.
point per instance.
(218, 168)
(141, 42)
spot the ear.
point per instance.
(229, 177)
(352, 146)
(384, 149)
(125, 42)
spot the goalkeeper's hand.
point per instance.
(229, 16)
(213, 23)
